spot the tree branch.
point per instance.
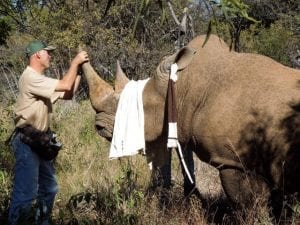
(173, 13)
(182, 24)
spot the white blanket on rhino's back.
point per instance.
(128, 136)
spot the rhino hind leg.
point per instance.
(244, 190)
(278, 210)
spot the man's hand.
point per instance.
(67, 83)
(80, 58)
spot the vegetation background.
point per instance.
(94, 190)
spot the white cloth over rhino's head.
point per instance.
(104, 97)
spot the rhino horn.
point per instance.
(182, 58)
(98, 88)
(121, 79)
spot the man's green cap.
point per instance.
(36, 46)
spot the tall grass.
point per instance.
(6, 160)
(95, 190)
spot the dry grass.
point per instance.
(83, 169)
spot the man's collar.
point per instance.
(33, 70)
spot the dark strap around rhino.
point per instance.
(172, 115)
(172, 109)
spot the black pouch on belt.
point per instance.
(45, 144)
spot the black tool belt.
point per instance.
(45, 144)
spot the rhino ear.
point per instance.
(184, 57)
(121, 79)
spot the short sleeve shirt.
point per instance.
(34, 103)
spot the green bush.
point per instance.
(277, 42)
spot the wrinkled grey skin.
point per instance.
(239, 112)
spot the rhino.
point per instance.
(239, 112)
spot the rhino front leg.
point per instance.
(161, 173)
(160, 159)
(161, 178)
(189, 188)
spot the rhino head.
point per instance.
(104, 97)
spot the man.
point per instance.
(34, 180)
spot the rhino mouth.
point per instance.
(103, 132)
(104, 125)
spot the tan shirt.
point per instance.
(34, 103)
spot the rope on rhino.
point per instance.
(172, 119)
